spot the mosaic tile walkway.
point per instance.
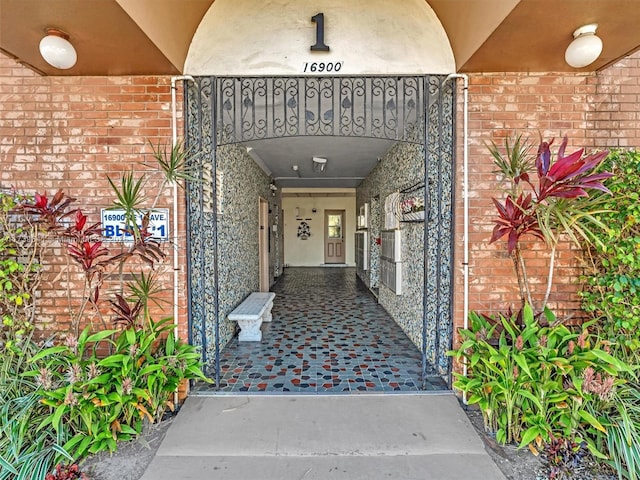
(328, 335)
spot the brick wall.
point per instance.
(597, 111)
(614, 116)
(71, 133)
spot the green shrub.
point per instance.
(541, 202)
(20, 259)
(28, 449)
(619, 413)
(611, 294)
(530, 379)
(83, 396)
(103, 400)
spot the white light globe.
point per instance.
(585, 48)
(58, 52)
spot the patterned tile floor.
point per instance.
(328, 335)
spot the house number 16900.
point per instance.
(322, 67)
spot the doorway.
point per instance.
(263, 244)
(227, 117)
(334, 242)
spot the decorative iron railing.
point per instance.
(378, 107)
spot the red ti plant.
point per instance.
(85, 243)
(126, 315)
(143, 245)
(86, 248)
(541, 201)
(50, 213)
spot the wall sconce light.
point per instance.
(56, 49)
(585, 48)
(319, 164)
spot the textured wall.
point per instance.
(402, 166)
(426, 245)
(244, 182)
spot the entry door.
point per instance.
(334, 236)
(263, 245)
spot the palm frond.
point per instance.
(177, 164)
(128, 197)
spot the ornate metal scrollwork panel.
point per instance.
(255, 108)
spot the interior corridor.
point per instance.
(328, 335)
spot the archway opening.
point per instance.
(411, 111)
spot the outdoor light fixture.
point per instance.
(56, 49)
(319, 164)
(585, 47)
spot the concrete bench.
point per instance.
(250, 314)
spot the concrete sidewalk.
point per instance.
(346, 437)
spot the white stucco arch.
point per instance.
(273, 37)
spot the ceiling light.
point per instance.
(319, 164)
(585, 47)
(56, 49)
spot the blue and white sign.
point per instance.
(113, 225)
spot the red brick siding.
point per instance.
(597, 111)
(71, 133)
(614, 120)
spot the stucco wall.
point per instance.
(365, 37)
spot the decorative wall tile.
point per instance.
(238, 230)
(402, 167)
(228, 242)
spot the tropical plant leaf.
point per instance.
(177, 164)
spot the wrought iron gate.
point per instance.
(413, 109)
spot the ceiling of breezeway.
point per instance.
(290, 160)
